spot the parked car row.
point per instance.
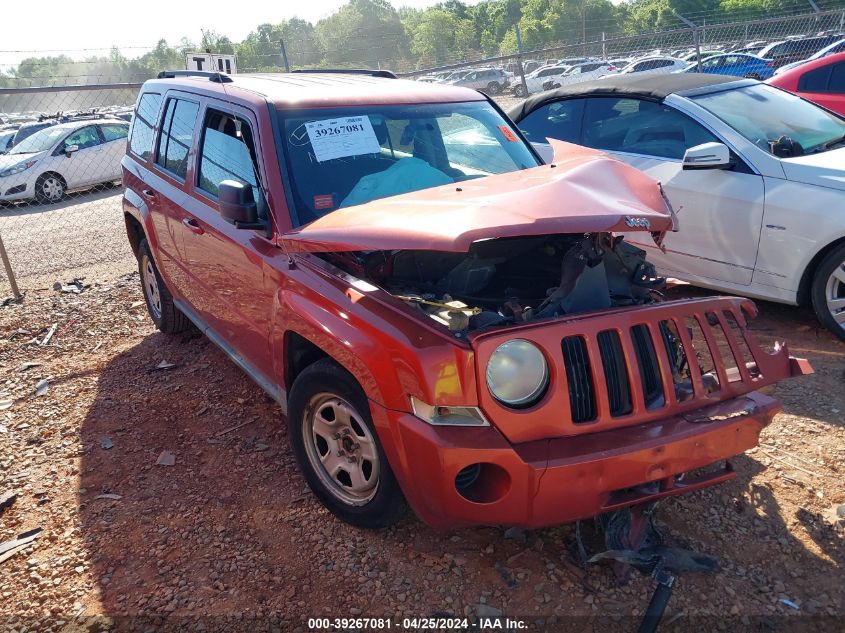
(756, 60)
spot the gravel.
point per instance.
(229, 536)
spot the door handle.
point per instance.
(192, 225)
(149, 193)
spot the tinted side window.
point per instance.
(815, 80)
(226, 156)
(113, 132)
(143, 124)
(560, 120)
(177, 130)
(640, 127)
(837, 78)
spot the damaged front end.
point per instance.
(509, 281)
(572, 387)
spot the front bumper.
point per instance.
(21, 188)
(559, 480)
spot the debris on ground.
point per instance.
(235, 530)
(7, 499)
(75, 286)
(166, 458)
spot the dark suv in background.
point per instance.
(795, 50)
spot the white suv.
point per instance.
(63, 157)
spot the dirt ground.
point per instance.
(230, 538)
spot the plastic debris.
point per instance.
(789, 603)
(6, 404)
(109, 495)
(167, 458)
(49, 335)
(42, 386)
(106, 443)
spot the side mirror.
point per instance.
(547, 154)
(707, 156)
(237, 205)
(70, 149)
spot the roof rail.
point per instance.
(217, 77)
(384, 74)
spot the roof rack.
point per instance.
(384, 74)
(217, 77)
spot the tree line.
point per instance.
(374, 34)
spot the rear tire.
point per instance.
(337, 448)
(160, 306)
(494, 88)
(828, 291)
(519, 91)
(50, 188)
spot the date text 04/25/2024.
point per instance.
(417, 624)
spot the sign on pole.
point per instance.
(211, 62)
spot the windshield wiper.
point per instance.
(830, 144)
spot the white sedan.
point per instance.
(756, 175)
(655, 64)
(61, 158)
(534, 81)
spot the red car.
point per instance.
(444, 320)
(821, 81)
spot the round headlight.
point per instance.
(517, 373)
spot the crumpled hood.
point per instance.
(826, 169)
(583, 191)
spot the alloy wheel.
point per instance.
(341, 449)
(52, 189)
(835, 294)
(150, 283)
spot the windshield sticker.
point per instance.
(324, 201)
(508, 133)
(342, 137)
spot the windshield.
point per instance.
(764, 115)
(41, 141)
(345, 157)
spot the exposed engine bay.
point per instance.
(511, 280)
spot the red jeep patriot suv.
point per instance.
(443, 319)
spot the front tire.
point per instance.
(50, 188)
(519, 91)
(828, 291)
(338, 450)
(160, 306)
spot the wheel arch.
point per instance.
(806, 282)
(134, 231)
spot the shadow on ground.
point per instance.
(230, 533)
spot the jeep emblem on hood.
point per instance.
(637, 223)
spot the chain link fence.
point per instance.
(61, 142)
(789, 39)
(60, 209)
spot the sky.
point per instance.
(69, 28)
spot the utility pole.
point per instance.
(284, 55)
(519, 60)
(583, 29)
(695, 38)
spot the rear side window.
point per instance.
(113, 132)
(559, 120)
(177, 131)
(143, 124)
(825, 79)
